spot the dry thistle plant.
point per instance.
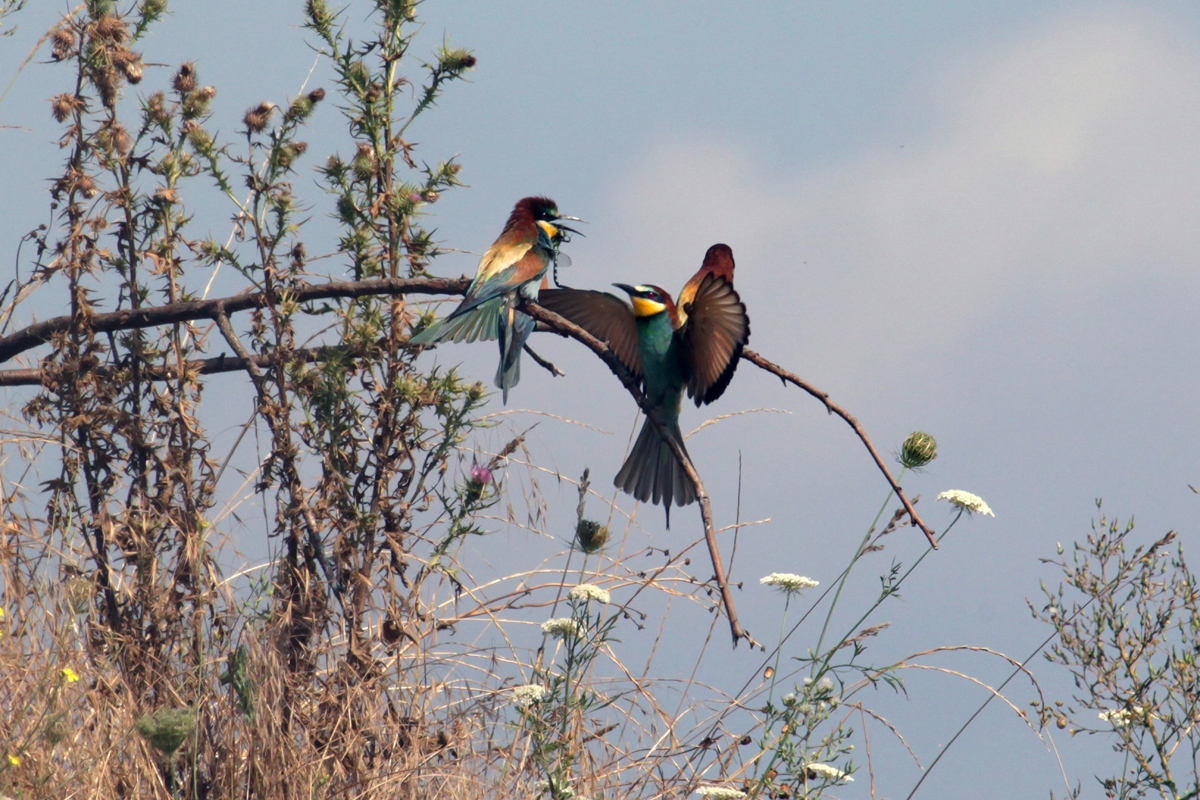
(284, 681)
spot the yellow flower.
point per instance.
(14, 760)
(68, 675)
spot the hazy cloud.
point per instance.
(1061, 160)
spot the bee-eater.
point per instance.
(696, 345)
(513, 266)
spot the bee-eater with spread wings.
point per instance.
(695, 344)
(513, 266)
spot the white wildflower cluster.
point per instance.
(1121, 717)
(527, 695)
(971, 503)
(819, 698)
(720, 793)
(827, 772)
(561, 627)
(543, 787)
(825, 686)
(787, 582)
(589, 591)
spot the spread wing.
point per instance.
(716, 330)
(601, 314)
(717, 261)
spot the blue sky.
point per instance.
(976, 219)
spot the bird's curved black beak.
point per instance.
(573, 219)
(626, 288)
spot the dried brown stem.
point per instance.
(220, 316)
(222, 319)
(788, 377)
(556, 324)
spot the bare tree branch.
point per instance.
(200, 366)
(41, 332)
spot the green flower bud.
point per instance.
(334, 169)
(358, 76)
(300, 109)
(78, 593)
(319, 15)
(55, 730)
(456, 61)
(153, 9)
(591, 536)
(284, 156)
(167, 728)
(918, 450)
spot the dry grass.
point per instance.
(419, 705)
(416, 702)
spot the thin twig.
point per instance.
(222, 319)
(788, 377)
(220, 316)
(541, 362)
(563, 327)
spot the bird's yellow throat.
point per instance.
(646, 308)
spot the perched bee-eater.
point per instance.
(696, 345)
(513, 266)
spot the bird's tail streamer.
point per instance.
(651, 473)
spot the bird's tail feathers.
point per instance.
(513, 330)
(651, 473)
(478, 323)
